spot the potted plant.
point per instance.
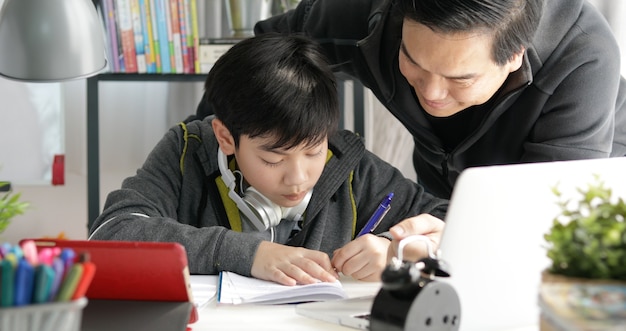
(10, 205)
(585, 286)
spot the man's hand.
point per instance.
(363, 258)
(289, 265)
(424, 224)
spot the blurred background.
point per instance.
(41, 120)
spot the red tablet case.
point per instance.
(131, 270)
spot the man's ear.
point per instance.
(516, 61)
(224, 138)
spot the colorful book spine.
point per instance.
(112, 35)
(155, 35)
(102, 13)
(195, 35)
(148, 40)
(163, 34)
(170, 40)
(176, 46)
(189, 39)
(182, 19)
(140, 54)
(125, 25)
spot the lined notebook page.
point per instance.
(236, 289)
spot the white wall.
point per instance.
(133, 117)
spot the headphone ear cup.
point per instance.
(267, 211)
(229, 180)
(259, 210)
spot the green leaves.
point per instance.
(10, 206)
(588, 239)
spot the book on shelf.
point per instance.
(195, 35)
(151, 36)
(140, 55)
(176, 45)
(107, 26)
(182, 18)
(148, 39)
(110, 28)
(162, 27)
(125, 26)
(210, 49)
(236, 289)
(170, 35)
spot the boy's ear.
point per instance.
(224, 138)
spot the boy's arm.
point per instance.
(365, 257)
(149, 207)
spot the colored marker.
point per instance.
(7, 280)
(59, 270)
(46, 255)
(24, 277)
(5, 249)
(44, 276)
(29, 248)
(89, 270)
(68, 286)
(67, 255)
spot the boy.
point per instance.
(267, 187)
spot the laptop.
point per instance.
(493, 242)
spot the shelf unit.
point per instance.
(93, 126)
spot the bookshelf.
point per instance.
(356, 106)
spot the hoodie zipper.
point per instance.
(444, 166)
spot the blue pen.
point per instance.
(378, 215)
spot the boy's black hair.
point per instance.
(513, 23)
(278, 86)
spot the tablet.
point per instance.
(134, 281)
(131, 270)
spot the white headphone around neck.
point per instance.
(256, 208)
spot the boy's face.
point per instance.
(451, 72)
(282, 175)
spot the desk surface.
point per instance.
(271, 317)
(274, 317)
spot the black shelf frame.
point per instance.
(93, 124)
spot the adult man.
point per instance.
(479, 82)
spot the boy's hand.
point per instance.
(363, 258)
(289, 265)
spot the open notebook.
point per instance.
(236, 289)
(493, 241)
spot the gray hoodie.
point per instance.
(175, 197)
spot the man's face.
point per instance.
(282, 175)
(451, 72)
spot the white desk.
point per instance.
(271, 317)
(277, 317)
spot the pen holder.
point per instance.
(44, 316)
